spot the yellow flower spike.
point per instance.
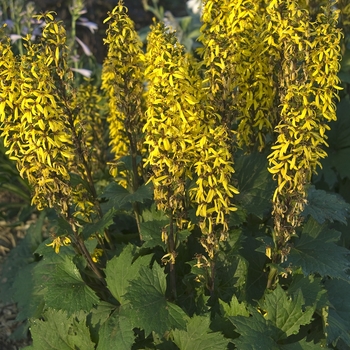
(306, 105)
(122, 81)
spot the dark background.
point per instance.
(97, 12)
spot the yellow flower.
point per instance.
(310, 54)
(122, 80)
(172, 118)
(239, 68)
(33, 121)
(59, 242)
(97, 253)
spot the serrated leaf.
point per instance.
(19, 257)
(28, 293)
(59, 332)
(338, 320)
(65, 289)
(286, 313)
(234, 308)
(255, 183)
(324, 206)
(120, 270)
(97, 316)
(255, 332)
(122, 197)
(149, 308)
(100, 226)
(151, 232)
(312, 289)
(301, 345)
(198, 335)
(116, 333)
(316, 252)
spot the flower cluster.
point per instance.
(308, 79)
(241, 87)
(172, 118)
(122, 79)
(213, 189)
(32, 120)
(186, 140)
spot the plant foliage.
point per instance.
(179, 202)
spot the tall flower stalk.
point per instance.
(310, 55)
(41, 128)
(122, 79)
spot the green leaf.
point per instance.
(312, 289)
(301, 345)
(324, 206)
(338, 320)
(57, 331)
(255, 183)
(151, 232)
(149, 308)
(100, 226)
(121, 270)
(256, 278)
(116, 333)
(28, 293)
(234, 308)
(97, 317)
(198, 335)
(255, 332)
(286, 313)
(339, 140)
(66, 289)
(19, 257)
(121, 197)
(316, 252)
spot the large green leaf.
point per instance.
(338, 320)
(255, 183)
(116, 333)
(97, 317)
(312, 289)
(100, 226)
(65, 289)
(57, 331)
(19, 257)
(286, 313)
(234, 308)
(120, 270)
(149, 308)
(255, 332)
(198, 335)
(121, 197)
(339, 140)
(28, 293)
(316, 252)
(151, 232)
(324, 206)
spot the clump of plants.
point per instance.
(177, 198)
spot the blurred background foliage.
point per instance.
(97, 12)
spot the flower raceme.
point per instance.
(41, 121)
(123, 81)
(185, 140)
(240, 86)
(310, 55)
(31, 118)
